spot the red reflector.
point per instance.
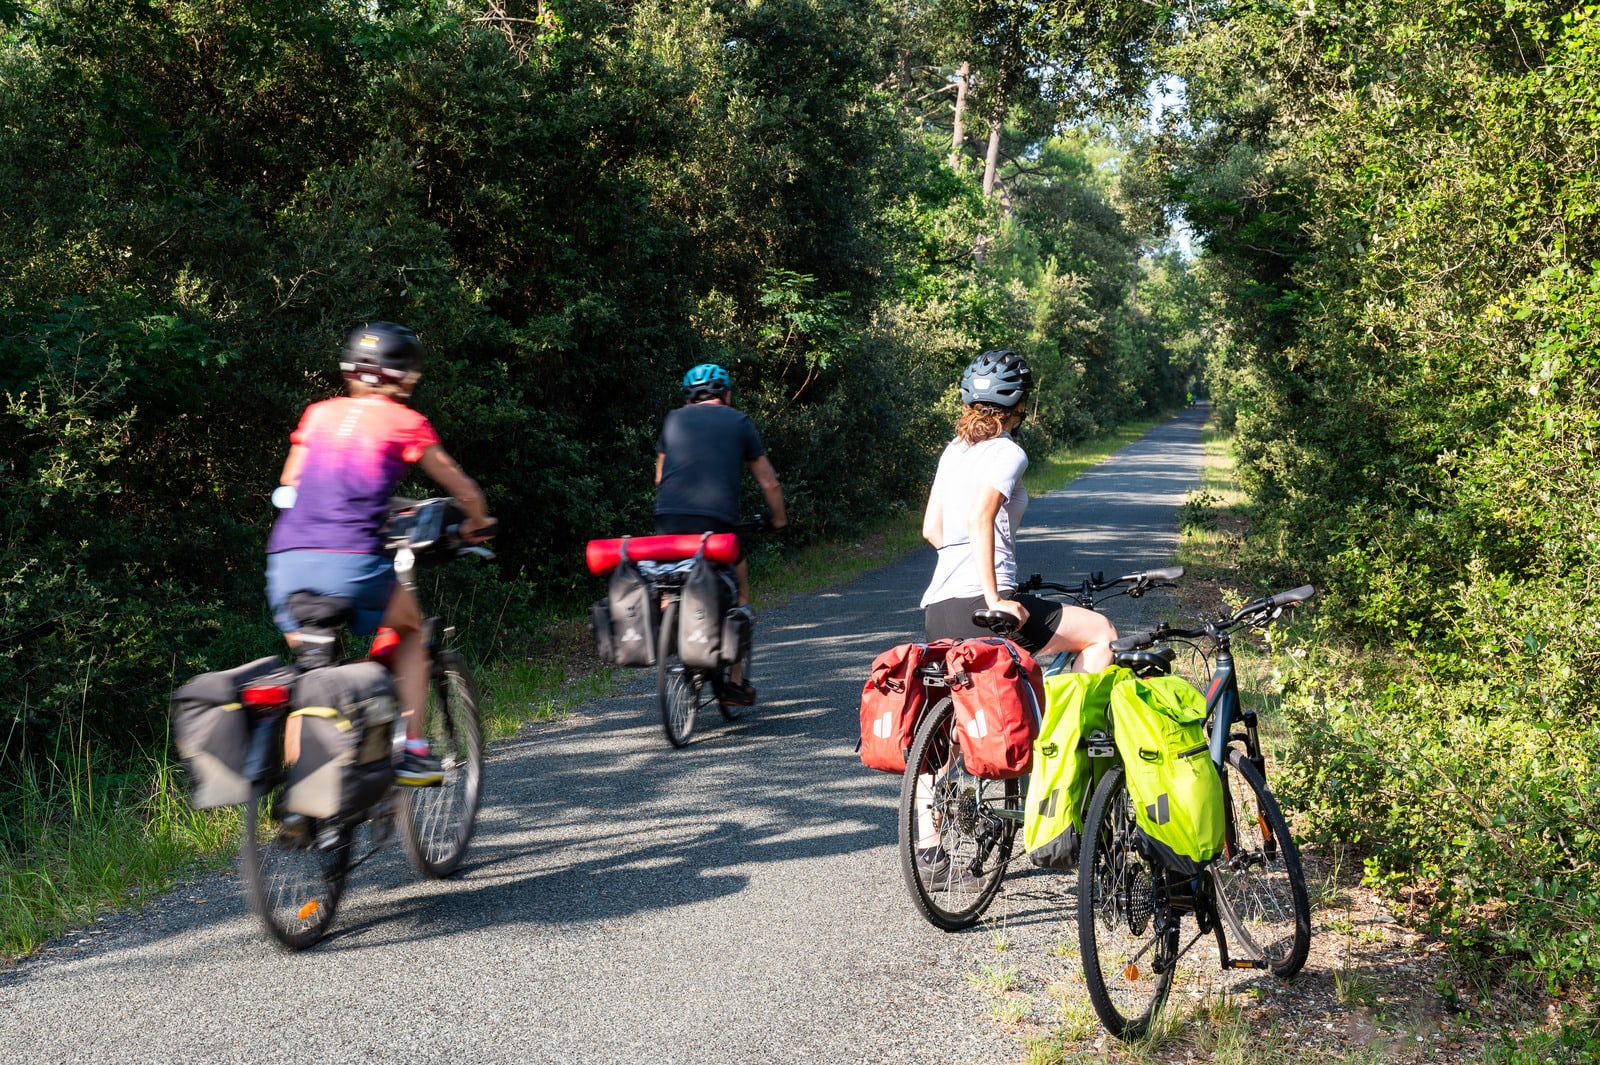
(267, 695)
(384, 644)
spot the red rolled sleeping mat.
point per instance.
(603, 555)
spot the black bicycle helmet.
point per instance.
(704, 381)
(379, 352)
(999, 378)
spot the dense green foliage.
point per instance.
(1397, 205)
(572, 202)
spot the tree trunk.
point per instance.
(991, 161)
(959, 131)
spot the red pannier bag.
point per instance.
(892, 701)
(998, 689)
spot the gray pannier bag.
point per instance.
(707, 595)
(633, 611)
(736, 625)
(346, 716)
(605, 646)
(211, 730)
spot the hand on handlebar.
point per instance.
(476, 532)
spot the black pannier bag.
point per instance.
(347, 726)
(736, 625)
(605, 647)
(633, 612)
(211, 730)
(702, 605)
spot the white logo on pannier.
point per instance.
(978, 727)
(698, 636)
(631, 636)
(884, 726)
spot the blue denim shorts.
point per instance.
(366, 580)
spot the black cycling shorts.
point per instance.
(952, 619)
(694, 525)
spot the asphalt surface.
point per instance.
(736, 901)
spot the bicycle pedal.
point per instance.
(1247, 963)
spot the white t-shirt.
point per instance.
(964, 469)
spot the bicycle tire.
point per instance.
(436, 823)
(1260, 882)
(971, 844)
(677, 686)
(294, 887)
(1127, 933)
(731, 713)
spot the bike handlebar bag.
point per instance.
(892, 701)
(346, 717)
(634, 612)
(211, 730)
(997, 689)
(1158, 724)
(1059, 787)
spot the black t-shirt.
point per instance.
(706, 447)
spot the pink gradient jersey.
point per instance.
(357, 450)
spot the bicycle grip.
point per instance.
(1134, 642)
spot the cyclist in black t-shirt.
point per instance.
(701, 455)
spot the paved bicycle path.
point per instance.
(736, 901)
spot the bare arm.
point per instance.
(771, 491)
(437, 464)
(933, 522)
(661, 464)
(293, 465)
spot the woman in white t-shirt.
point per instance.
(974, 507)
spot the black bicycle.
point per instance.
(957, 830)
(684, 690)
(1130, 907)
(295, 868)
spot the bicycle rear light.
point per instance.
(268, 695)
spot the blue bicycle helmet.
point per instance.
(706, 380)
(998, 378)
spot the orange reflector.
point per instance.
(307, 910)
(384, 645)
(1131, 974)
(266, 695)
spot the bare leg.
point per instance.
(1086, 632)
(410, 660)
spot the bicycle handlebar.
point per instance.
(431, 528)
(1256, 612)
(1004, 623)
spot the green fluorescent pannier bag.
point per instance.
(1074, 705)
(1158, 725)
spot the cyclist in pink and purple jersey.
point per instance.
(345, 459)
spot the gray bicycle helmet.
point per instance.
(706, 380)
(379, 352)
(999, 378)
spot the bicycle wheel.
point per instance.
(1127, 932)
(729, 713)
(678, 687)
(436, 823)
(956, 830)
(1261, 887)
(293, 885)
